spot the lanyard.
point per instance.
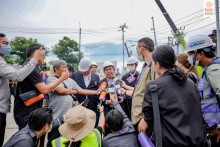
(139, 76)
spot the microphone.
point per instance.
(111, 89)
(102, 87)
(118, 86)
(101, 99)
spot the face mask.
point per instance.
(190, 59)
(140, 58)
(131, 68)
(6, 49)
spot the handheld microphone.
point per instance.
(118, 86)
(111, 89)
(101, 99)
(102, 87)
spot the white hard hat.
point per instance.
(93, 63)
(107, 63)
(198, 42)
(84, 64)
(132, 60)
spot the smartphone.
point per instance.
(85, 102)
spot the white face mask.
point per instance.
(131, 68)
(140, 58)
(190, 59)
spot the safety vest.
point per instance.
(92, 140)
(209, 104)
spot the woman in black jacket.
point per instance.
(179, 103)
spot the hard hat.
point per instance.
(132, 60)
(107, 63)
(93, 63)
(84, 64)
(198, 42)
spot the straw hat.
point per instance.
(78, 123)
(51, 73)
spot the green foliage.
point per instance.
(9, 59)
(67, 50)
(19, 46)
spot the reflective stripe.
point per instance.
(97, 136)
(211, 116)
(57, 142)
(208, 101)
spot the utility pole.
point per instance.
(79, 39)
(122, 30)
(155, 40)
(217, 27)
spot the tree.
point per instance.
(67, 50)
(19, 46)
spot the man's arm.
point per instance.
(64, 91)
(8, 72)
(118, 107)
(44, 89)
(213, 76)
(101, 117)
(87, 92)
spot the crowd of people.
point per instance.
(168, 100)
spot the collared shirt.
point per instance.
(87, 79)
(148, 74)
(7, 73)
(26, 137)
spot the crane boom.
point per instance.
(177, 34)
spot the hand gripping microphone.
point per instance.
(101, 99)
(118, 86)
(102, 87)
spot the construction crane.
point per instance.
(176, 32)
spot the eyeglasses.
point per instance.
(147, 47)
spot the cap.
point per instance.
(198, 42)
(93, 63)
(107, 63)
(84, 64)
(132, 60)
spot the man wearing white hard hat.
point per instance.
(202, 52)
(130, 79)
(109, 71)
(87, 80)
(93, 67)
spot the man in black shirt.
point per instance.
(40, 122)
(130, 79)
(32, 82)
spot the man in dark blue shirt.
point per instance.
(130, 79)
(87, 80)
(40, 122)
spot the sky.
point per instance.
(49, 20)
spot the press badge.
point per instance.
(131, 79)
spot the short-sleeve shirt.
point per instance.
(27, 85)
(61, 103)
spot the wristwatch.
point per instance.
(218, 126)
